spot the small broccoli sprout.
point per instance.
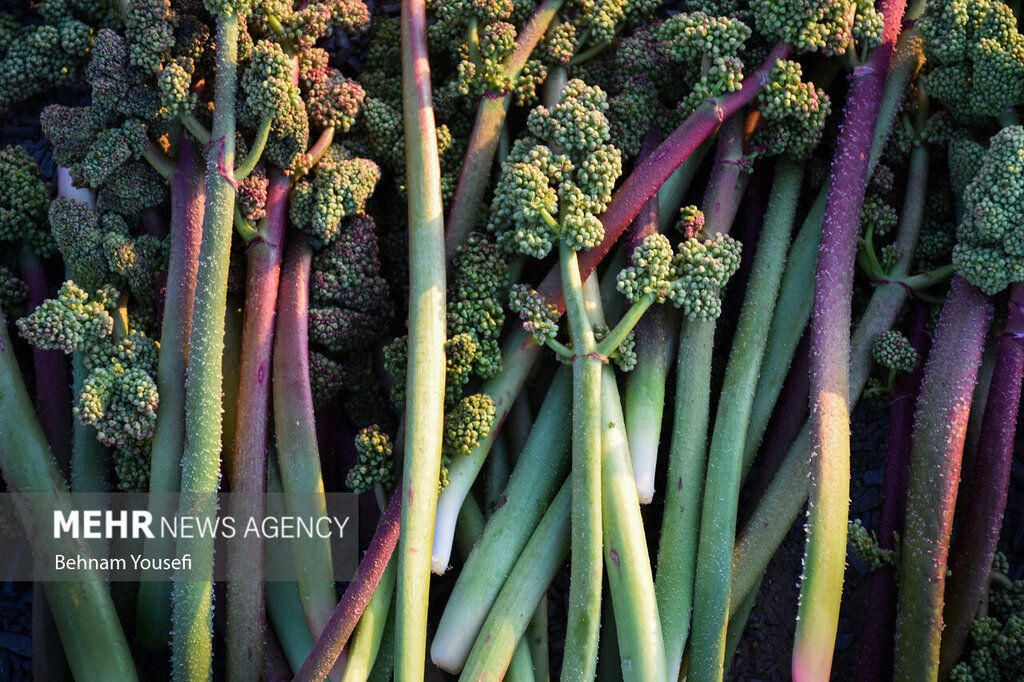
(877, 216)
(691, 221)
(865, 547)
(990, 240)
(702, 267)
(375, 465)
(539, 317)
(892, 350)
(997, 639)
(334, 101)
(794, 112)
(13, 291)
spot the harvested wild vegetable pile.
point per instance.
(262, 266)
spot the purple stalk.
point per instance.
(825, 557)
(246, 614)
(52, 396)
(357, 595)
(940, 423)
(976, 541)
(649, 176)
(874, 649)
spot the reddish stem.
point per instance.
(874, 650)
(246, 615)
(976, 543)
(940, 422)
(650, 175)
(357, 595)
(52, 396)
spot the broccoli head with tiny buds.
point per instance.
(892, 350)
(24, 198)
(975, 57)
(555, 191)
(990, 239)
(375, 465)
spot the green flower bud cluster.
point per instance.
(865, 547)
(375, 464)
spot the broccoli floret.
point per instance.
(651, 272)
(76, 229)
(892, 350)
(877, 216)
(710, 47)
(339, 188)
(13, 291)
(69, 322)
(252, 194)
(990, 239)
(375, 463)
(474, 301)
(326, 378)
(465, 426)
(702, 267)
(826, 26)
(631, 113)
(334, 102)
(542, 195)
(539, 317)
(24, 199)
(975, 55)
(794, 112)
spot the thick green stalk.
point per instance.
(470, 528)
(725, 457)
(153, 619)
(83, 611)
(940, 423)
(193, 599)
(677, 550)
(792, 311)
(541, 468)
(526, 584)
(537, 637)
(584, 616)
(370, 631)
(630, 579)
(680, 553)
(641, 648)
(295, 430)
(248, 467)
(424, 413)
(284, 607)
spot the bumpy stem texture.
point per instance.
(246, 614)
(188, 192)
(874, 646)
(939, 427)
(357, 595)
(538, 474)
(295, 429)
(680, 554)
(424, 412)
(971, 560)
(821, 587)
(193, 599)
(584, 615)
(526, 584)
(83, 611)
